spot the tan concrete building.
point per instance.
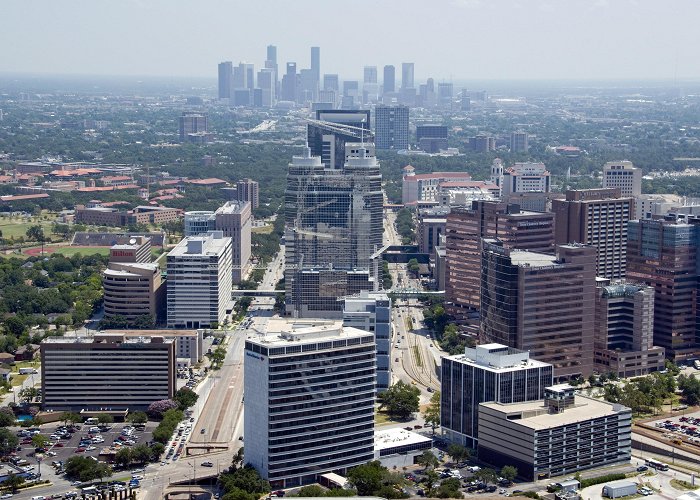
(541, 303)
(133, 290)
(596, 217)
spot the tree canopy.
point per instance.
(400, 400)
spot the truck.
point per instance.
(27, 371)
(696, 364)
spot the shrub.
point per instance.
(158, 408)
(601, 479)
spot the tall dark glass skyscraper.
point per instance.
(340, 127)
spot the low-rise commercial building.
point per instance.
(562, 434)
(399, 447)
(106, 372)
(101, 216)
(310, 387)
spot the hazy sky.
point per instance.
(462, 39)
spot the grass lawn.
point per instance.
(263, 229)
(382, 417)
(24, 364)
(18, 379)
(70, 251)
(683, 485)
(16, 229)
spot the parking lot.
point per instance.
(681, 428)
(69, 445)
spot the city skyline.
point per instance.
(519, 40)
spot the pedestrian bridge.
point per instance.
(255, 293)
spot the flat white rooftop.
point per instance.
(391, 438)
(282, 332)
(534, 414)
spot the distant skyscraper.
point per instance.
(330, 82)
(407, 81)
(431, 138)
(289, 83)
(192, 123)
(389, 79)
(518, 142)
(370, 74)
(308, 86)
(225, 79)
(272, 53)
(391, 127)
(541, 303)
(316, 64)
(445, 93)
(266, 84)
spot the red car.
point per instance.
(58, 445)
(80, 450)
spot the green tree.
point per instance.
(71, 417)
(35, 233)
(413, 266)
(157, 449)
(13, 482)
(7, 418)
(137, 417)
(487, 475)
(217, 357)
(427, 459)
(400, 400)
(123, 456)
(432, 411)
(15, 325)
(39, 440)
(449, 488)
(458, 452)
(8, 441)
(509, 472)
(367, 478)
(185, 398)
(105, 418)
(431, 478)
(312, 490)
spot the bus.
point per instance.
(655, 464)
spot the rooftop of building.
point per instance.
(130, 265)
(535, 415)
(232, 207)
(109, 338)
(283, 331)
(498, 358)
(442, 175)
(212, 243)
(391, 438)
(532, 259)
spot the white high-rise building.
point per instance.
(371, 312)
(200, 272)
(623, 175)
(497, 173)
(525, 178)
(309, 406)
